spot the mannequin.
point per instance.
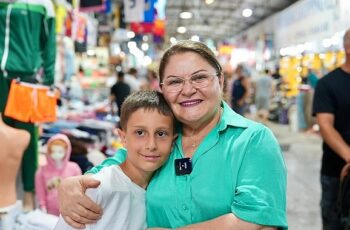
(28, 45)
(11, 154)
(58, 167)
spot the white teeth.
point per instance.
(190, 103)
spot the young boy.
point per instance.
(147, 132)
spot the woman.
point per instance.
(240, 91)
(224, 171)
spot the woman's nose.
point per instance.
(188, 87)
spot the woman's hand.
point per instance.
(76, 208)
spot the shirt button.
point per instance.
(184, 207)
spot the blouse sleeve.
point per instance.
(260, 195)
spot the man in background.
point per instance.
(119, 91)
(263, 92)
(331, 106)
(132, 80)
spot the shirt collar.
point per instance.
(231, 118)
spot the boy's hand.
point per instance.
(76, 208)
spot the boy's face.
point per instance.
(148, 138)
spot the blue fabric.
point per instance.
(330, 216)
(149, 13)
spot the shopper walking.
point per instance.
(332, 109)
(224, 171)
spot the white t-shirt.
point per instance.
(122, 201)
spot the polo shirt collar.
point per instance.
(231, 118)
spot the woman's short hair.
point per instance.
(144, 99)
(189, 46)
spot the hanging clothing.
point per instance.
(27, 43)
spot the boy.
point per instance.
(147, 132)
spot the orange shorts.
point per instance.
(31, 103)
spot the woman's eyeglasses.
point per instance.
(176, 84)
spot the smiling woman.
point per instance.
(224, 171)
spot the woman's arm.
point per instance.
(76, 208)
(224, 222)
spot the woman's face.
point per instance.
(192, 106)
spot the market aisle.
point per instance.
(303, 158)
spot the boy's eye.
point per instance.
(140, 132)
(162, 133)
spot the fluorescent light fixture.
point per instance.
(144, 46)
(172, 40)
(185, 15)
(181, 29)
(130, 34)
(208, 2)
(247, 13)
(90, 52)
(132, 45)
(147, 61)
(195, 38)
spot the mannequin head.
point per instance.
(57, 149)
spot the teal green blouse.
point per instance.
(238, 168)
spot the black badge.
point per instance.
(183, 166)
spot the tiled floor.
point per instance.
(303, 157)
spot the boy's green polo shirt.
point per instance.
(240, 161)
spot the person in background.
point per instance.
(240, 91)
(227, 90)
(147, 132)
(331, 106)
(79, 154)
(277, 78)
(119, 91)
(132, 80)
(224, 171)
(264, 89)
(312, 80)
(153, 81)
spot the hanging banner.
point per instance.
(159, 28)
(134, 10)
(142, 28)
(150, 12)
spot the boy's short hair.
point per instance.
(145, 99)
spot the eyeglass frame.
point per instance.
(212, 75)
